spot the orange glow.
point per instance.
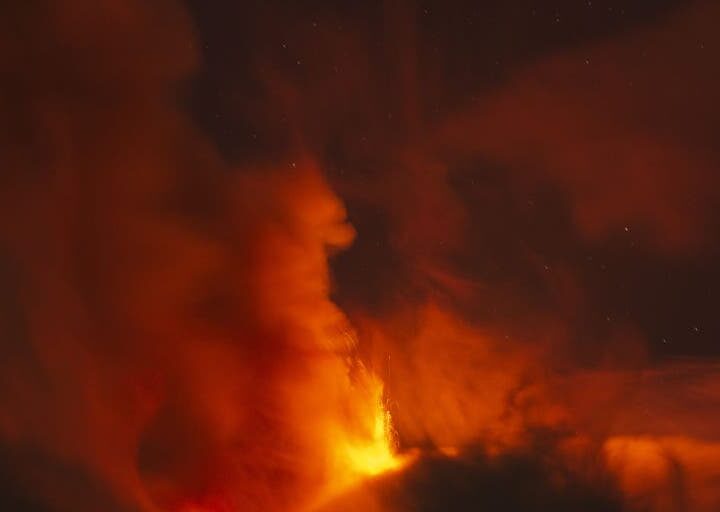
(657, 472)
(451, 380)
(174, 338)
(362, 443)
(376, 451)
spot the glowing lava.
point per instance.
(365, 446)
(376, 452)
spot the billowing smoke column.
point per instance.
(169, 342)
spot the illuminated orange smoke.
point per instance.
(666, 474)
(318, 424)
(359, 443)
(452, 382)
(173, 341)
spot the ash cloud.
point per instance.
(510, 242)
(168, 335)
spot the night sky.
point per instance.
(363, 83)
(228, 226)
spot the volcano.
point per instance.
(383, 256)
